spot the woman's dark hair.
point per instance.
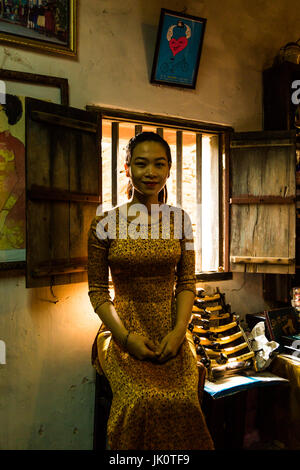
(13, 109)
(148, 137)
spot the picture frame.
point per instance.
(282, 323)
(43, 81)
(178, 49)
(47, 26)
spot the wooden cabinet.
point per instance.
(281, 96)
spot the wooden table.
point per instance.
(227, 414)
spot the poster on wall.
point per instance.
(178, 49)
(46, 25)
(12, 179)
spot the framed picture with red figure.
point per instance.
(178, 49)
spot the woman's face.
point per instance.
(149, 168)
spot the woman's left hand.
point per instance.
(169, 346)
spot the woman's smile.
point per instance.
(149, 168)
(150, 184)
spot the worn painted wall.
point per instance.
(47, 385)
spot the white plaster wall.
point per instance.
(47, 385)
(244, 293)
(116, 45)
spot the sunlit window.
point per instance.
(196, 189)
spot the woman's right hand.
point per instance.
(141, 347)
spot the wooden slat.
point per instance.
(138, 129)
(213, 276)
(231, 360)
(179, 168)
(160, 131)
(40, 193)
(58, 120)
(261, 260)
(214, 183)
(249, 199)
(83, 171)
(60, 148)
(235, 145)
(42, 273)
(155, 120)
(226, 192)
(199, 197)
(114, 162)
(215, 329)
(262, 136)
(221, 204)
(224, 339)
(62, 266)
(99, 155)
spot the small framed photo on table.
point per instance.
(178, 49)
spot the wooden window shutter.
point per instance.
(63, 183)
(262, 202)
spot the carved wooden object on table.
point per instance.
(221, 344)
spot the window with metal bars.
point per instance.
(197, 181)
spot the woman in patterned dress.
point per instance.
(143, 345)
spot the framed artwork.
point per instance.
(282, 322)
(12, 180)
(43, 25)
(178, 49)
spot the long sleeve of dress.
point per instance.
(186, 278)
(98, 266)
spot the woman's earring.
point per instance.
(127, 171)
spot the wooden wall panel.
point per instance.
(262, 211)
(263, 171)
(63, 191)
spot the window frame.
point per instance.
(180, 124)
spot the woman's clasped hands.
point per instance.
(143, 348)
